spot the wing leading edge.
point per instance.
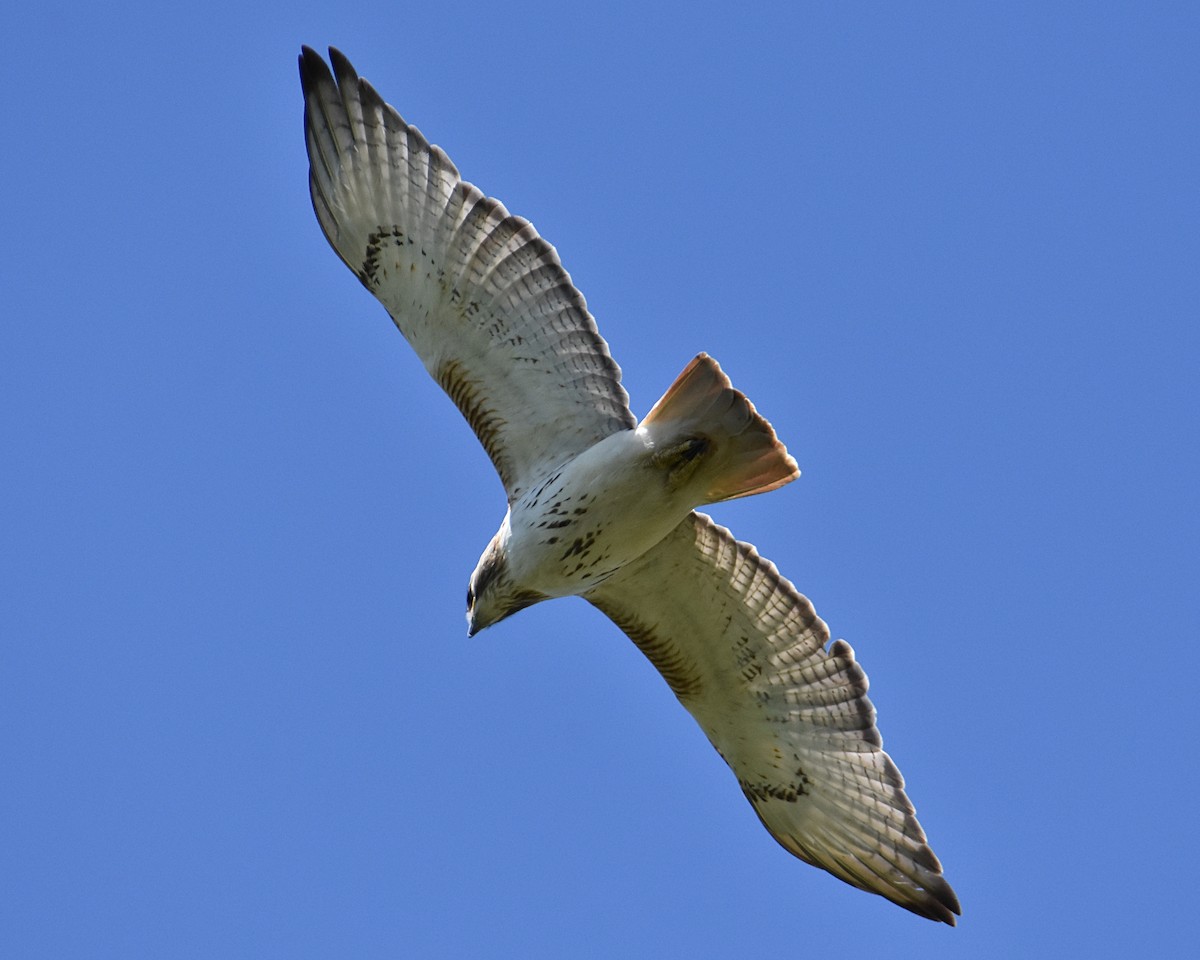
(480, 296)
(745, 654)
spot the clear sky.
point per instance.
(949, 249)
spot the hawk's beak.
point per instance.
(473, 627)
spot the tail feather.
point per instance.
(713, 436)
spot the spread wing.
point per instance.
(480, 296)
(745, 653)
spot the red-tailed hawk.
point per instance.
(602, 506)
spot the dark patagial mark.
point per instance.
(520, 600)
(469, 398)
(678, 669)
(765, 790)
(368, 273)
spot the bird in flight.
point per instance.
(603, 506)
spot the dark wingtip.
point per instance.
(312, 69)
(943, 905)
(342, 68)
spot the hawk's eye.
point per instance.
(470, 598)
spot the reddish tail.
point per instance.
(708, 433)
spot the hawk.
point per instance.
(603, 506)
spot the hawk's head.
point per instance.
(492, 595)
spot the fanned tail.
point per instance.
(708, 434)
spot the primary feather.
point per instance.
(482, 298)
(602, 507)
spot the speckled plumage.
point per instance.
(603, 507)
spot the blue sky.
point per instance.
(951, 252)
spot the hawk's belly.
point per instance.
(592, 516)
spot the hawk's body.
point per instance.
(603, 507)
